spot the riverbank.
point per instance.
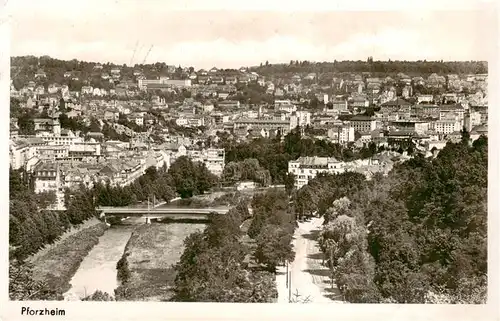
(57, 263)
(146, 268)
(72, 231)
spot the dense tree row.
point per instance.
(418, 235)
(246, 170)
(320, 193)
(184, 177)
(272, 226)
(212, 268)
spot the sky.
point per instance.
(228, 37)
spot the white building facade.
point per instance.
(306, 168)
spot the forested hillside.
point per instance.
(384, 68)
(418, 235)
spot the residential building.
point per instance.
(306, 168)
(89, 150)
(47, 177)
(451, 112)
(472, 119)
(425, 99)
(52, 153)
(446, 126)
(267, 124)
(360, 102)
(362, 123)
(18, 152)
(214, 159)
(417, 126)
(50, 125)
(336, 106)
(137, 118)
(424, 110)
(300, 118)
(229, 104)
(341, 134)
(284, 105)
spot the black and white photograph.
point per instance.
(247, 156)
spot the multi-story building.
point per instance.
(341, 134)
(306, 168)
(47, 178)
(74, 176)
(52, 139)
(446, 126)
(425, 99)
(220, 118)
(18, 152)
(451, 112)
(214, 159)
(471, 119)
(121, 172)
(267, 124)
(285, 105)
(425, 111)
(89, 150)
(417, 126)
(360, 102)
(52, 153)
(229, 104)
(49, 125)
(336, 107)
(300, 118)
(163, 83)
(362, 123)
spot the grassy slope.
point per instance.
(151, 252)
(60, 262)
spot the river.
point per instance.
(98, 270)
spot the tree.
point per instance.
(98, 296)
(339, 207)
(94, 127)
(22, 285)
(465, 136)
(289, 183)
(273, 247)
(15, 109)
(270, 207)
(26, 124)
(189, 178)
(62, 105)
(46, 199)
(209, 274)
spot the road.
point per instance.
(310, 282)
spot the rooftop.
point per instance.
(316, 161)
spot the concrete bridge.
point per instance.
(161, 212)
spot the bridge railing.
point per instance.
(121, 210)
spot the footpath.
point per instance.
(310, 281)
